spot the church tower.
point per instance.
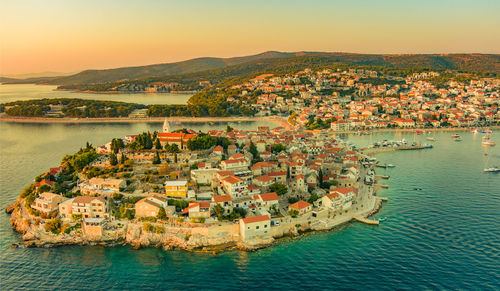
(166, 127)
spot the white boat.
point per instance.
(390, 166)
(457, 138)
(431, 138)
(488, 143)
(492, 169)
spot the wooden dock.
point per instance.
(366, 220)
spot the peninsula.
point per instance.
(198, 191)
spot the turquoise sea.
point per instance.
(445, 237)
(16, 92)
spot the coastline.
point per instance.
(278, 120)
(122, 92)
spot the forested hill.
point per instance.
(485, 63)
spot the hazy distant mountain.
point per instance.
(38, 75)
(464, 62)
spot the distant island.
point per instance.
(198, 191)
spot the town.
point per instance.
(358, 99)
(188, 189)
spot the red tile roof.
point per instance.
(255, 219)
(300, 205)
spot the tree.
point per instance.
(229, 129)
(219, 211)
(277, 148)
(123, 159)
(158, 145)
(175, 158)
(161, 213)
(293, 213)
(280, 189)
(113, 161)
(156, 159)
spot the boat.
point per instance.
(455, 136)
(492, 169)
(390, 166)
(427, 146)
(431, 138)
(458, 138)
(488, 143)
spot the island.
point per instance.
(199, 191)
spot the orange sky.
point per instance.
(69, 36)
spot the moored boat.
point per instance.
(431, 138)
(488, 142)
(492, 169)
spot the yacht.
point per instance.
(492, 169)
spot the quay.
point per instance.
(373, 151)
(366, 220)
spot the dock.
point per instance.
(366, 220)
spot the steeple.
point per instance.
(166, 127)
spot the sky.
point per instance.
(71, 36)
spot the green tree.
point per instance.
(123, 159)
(280, 189)
(113, 161)
(175, 158)
(161, 213)
(158, 145)
(156, 159)
(219, 211)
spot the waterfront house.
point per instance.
(47, 202)
(200, 209)
(302, 207)
(65, 209)
(92, 227)
(255, 227)
(150, 206)
(90, 207)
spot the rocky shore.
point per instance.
(132, 234)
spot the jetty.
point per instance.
(366, 220)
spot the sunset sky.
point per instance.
(70, 36)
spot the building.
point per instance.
(90, 207)
(150, 206)
(333, 201)
(234, 186)
(101, 186)
(225, 202)
(203, 176)
(266, 201)
(340, 125)
(301, 206)
(255, 227)
(234, 165)
(176, 188)
(47, 202)
(178, 138)
(92, 227)
(198, 210)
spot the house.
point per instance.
(47, 203)
(150, 206)
(263, 181)
(340, 125)
(198, 209)
(65, 209)
(301, 206)
(90, 207)
(101, 186)
(266, 201)
(255, 227)
(176, 188)
(348, 195)
(234, 165)
(300, 183)
(218, 150)
(333, 201)
(203, 176)
(234, 186)
(278, 177)
(224, 201)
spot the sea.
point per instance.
(439, 230)
(21, 92)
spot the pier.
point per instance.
(373, 151)
(366, 220)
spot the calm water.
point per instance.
(15, 92)
(446, 236)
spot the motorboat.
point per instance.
(492, 169)
(427, 146)
(431, 139)
(455, 136)
(488, 142)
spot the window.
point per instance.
(257, 227)
(265, 225)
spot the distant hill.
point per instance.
(460, 62)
